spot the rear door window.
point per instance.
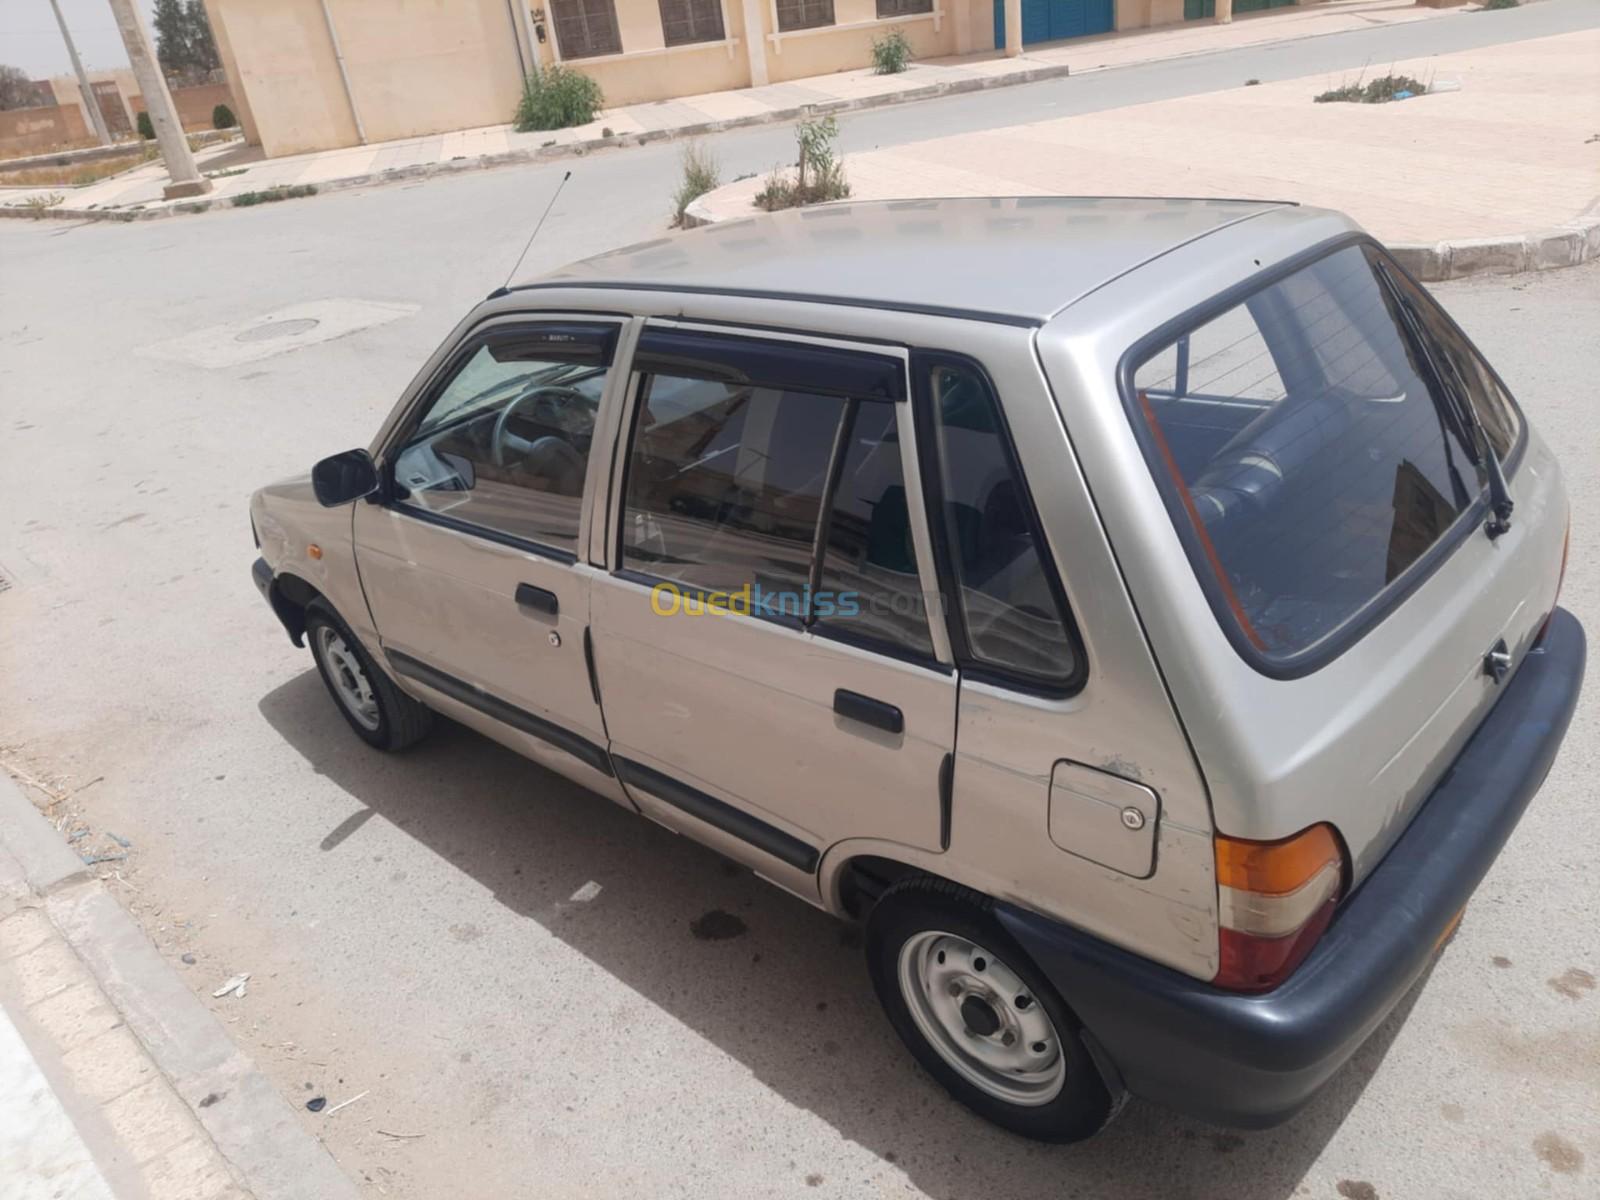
(1308, 462)
(766, 478)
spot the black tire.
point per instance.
(401, 721)
(1082, 1107)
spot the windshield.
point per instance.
(1311, 463)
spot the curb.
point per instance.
(1568, 245)
(553, 153)
(255, 1130)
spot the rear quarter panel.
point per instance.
(1361, 741)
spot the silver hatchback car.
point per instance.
(1140, 613)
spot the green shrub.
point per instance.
(146, 130)
(700, 175)
(1489, 5)
(890, 53)
(250, 199)
(557, 98)
(819, 176)
(1377, 91)
(222, 117)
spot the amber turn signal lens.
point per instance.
(1274, 900)
(313, 551)
(1276, 868)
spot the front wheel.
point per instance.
(380, 713)
(978, 1015)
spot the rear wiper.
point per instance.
(1461, 407)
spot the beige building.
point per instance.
(117, 92)
(318, 74)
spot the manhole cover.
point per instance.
(278, 329)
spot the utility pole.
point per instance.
(186, 177)
(91, 103)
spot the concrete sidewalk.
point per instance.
(1499, 175)
(139, 191)
(115, 1082)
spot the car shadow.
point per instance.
(818, 1037)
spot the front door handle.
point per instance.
(869, 711)
(538, 598)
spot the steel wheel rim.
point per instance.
(350, 682)
(982, 1020)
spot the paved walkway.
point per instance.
(1513, 150)
(116, 1083)
(42, 1156)
(688, 115)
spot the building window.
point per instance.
(804, 14)
(684, 22)
(889, 9)
(586, 28)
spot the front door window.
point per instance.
(504, 444)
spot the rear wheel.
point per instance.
(978, 1015)
(380, 713)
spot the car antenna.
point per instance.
(504, 287)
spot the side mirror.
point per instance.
(344, 477)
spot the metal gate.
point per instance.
(1052, 20)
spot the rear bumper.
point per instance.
(1253, 1061)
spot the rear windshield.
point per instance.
(1307, 459)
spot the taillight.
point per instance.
(1566, 544)
(1274, 901)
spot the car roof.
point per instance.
(1017, 259)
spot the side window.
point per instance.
(1008, 607)
(586, 28)
(504, 444)
(869, 583)
(734, 485)
(725, 486)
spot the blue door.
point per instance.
(1051, 20)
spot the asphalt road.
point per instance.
(408, 921)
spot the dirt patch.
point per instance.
(1560, 1155)
(1357, 1189)
(717, 926)
(1573, 983)
(75, 176)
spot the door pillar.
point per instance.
(1224, 14)
(1013, 28)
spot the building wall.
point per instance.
(122, 102)
(230, 67)
(847, 43)
(195, 105)
(415, 67)
(648, 69)
(427, 66)
(419, 67)
(287, 71)
(25, 131)
(1138, 14)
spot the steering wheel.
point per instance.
(547, 395)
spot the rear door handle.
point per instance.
(869, 711)
(538, 598)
